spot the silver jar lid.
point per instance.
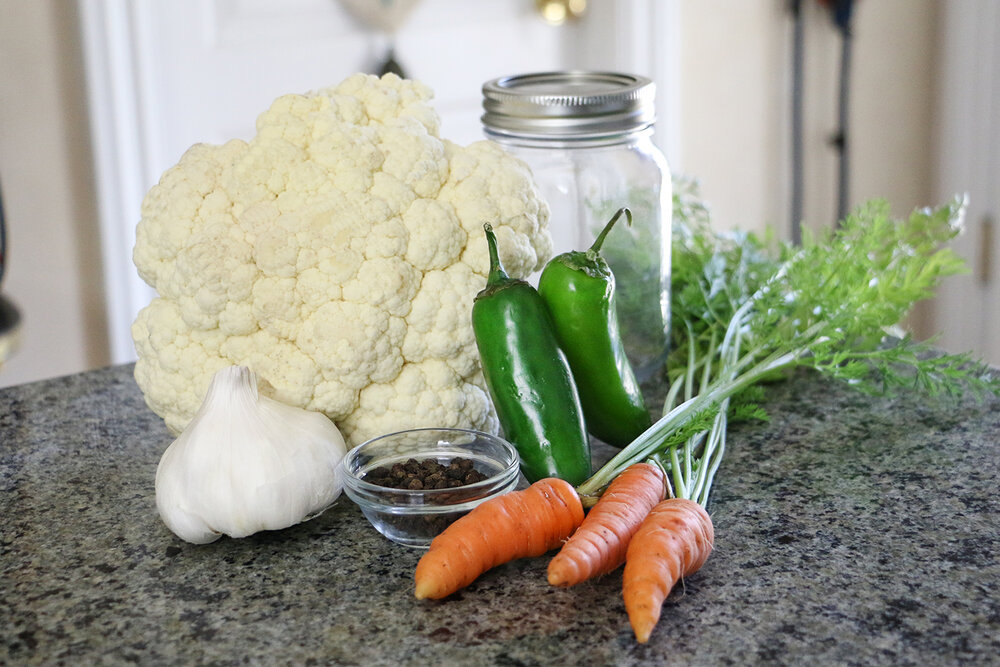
(566, 105)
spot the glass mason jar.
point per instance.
(587, 137)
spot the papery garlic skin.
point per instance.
(247, 463)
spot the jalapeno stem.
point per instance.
(599, 241)
(497, 274)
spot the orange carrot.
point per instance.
(599, 544)
(515, 525)
(673, 542)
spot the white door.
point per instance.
(166, 75)
(968, 308)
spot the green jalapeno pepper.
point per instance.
(528, 377)
(579, 290)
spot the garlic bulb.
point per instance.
(247, 463)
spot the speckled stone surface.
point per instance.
(850, 530)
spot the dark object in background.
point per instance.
(798, 49)
(841, 13)
(9, 317)
(3, 236)
(391, 65)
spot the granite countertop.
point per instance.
(849, 530)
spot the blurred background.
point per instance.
(782, 110)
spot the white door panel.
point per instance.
(208, 68)
(165, 75)
(967, 311)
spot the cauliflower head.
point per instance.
(337, 254)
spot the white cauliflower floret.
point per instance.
(424, 394)
(337, 254)
(438, 321)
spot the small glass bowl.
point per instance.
(414, 517)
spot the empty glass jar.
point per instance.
(587, 137)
